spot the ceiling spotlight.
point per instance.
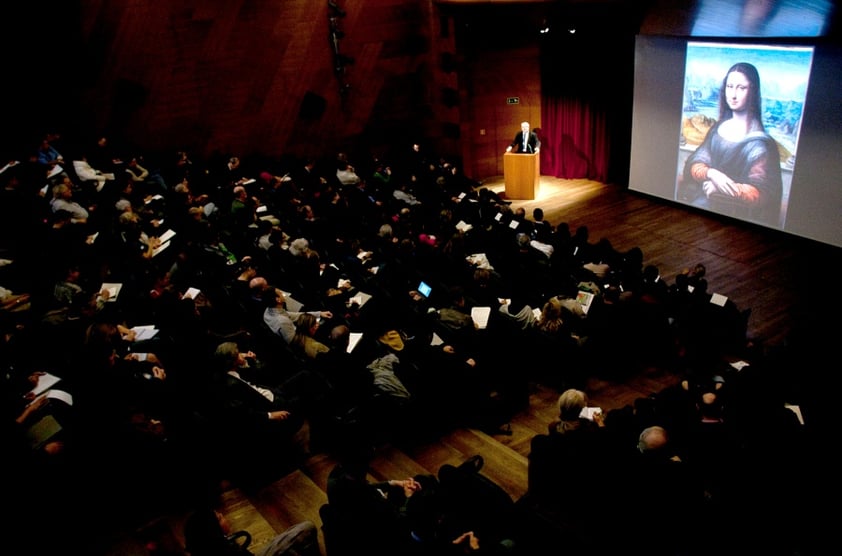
(545, 30)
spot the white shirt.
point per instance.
(265, 392)
(347, 177)
(86, 172)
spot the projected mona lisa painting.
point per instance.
(740, 122)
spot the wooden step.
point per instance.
(287, 502)
(503, 465)
(242, 515)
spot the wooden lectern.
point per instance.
(521, 173)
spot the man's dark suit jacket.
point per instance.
(532, 144)
(242, 410)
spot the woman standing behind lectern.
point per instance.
(525, 142)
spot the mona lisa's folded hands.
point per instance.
(719, 182)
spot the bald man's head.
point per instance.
(653, 440)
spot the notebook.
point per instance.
(42, 431)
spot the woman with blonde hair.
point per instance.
(568, 473)
(551, 321)
(571, 404)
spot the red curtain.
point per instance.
(574, 139)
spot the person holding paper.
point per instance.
(569, 470)
(36, 416)
(49, 157)
(88, 174)
(136, 244)
(68, 291)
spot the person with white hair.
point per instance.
(525, 141)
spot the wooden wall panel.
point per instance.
(490, 78)
(230, 76)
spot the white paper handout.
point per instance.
(480, 316)
(145, 332)
(45, 382)
(166, 236)
(718, 299)
(354, 339)
(360, 298)
(113, 289)
(192, 293)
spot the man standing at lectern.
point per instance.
(525, 142)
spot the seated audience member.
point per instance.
(661, 488)
(352, 384)
(104, 156)
(38, 437)
(135, 242)
(712, 444)
(63, 201)
(87, 174)
(40, 427)
(346, 174)
(455, 322)
(149, 182)
(304, 339)
(404, 195)
(49, 157)
(366, 513)
(519, 313)
(555, 332)
(279, 319)
(577, 496)
(541, 229)
(251, 298)
(73, 284)
(265, 417)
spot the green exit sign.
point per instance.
(513, 100)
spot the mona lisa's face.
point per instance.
(737, 88)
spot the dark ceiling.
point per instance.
(494, 21)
